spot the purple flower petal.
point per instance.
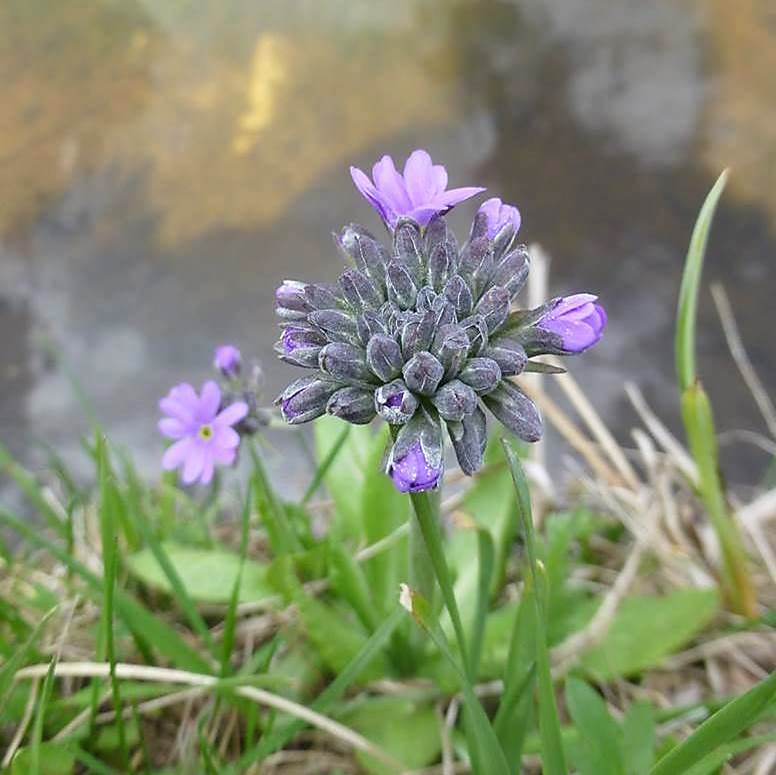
(577, 321)
(194, 463)
(231, 414)
(176, 454)
(209, 402)
(173, 428)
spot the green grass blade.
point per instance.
(688, 293)
(487, 561)
(164, 638)
(549, 725)
(326, 463)
(711, 764)
(36, 737)
(486, 754)
(332, 693)
(638, 738)
(230, 620)
(719, 729)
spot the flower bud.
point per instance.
(383, 356)
(458, 293)
(477, 331)
(426, 298)
(337, 325)
(454, 400)
(407, 247)
(394, 403)
(359, 291)
(415, 463)
(290, 300)
(451, 346)
(417, 333)
(228, 360)
(575, 322)
(306, 398)
(369, 324)
(367, 253)
(344, 362)
(476, 264)
(515, 410)
(508, 353)
(512, 271)
(423, 373)
(494, 307)
(481, 374)
(469, 438)
(502, 219)
(401, 285)
(441, 265)
(439, 233)
(322, 296)
(353, 404)
(300, 345)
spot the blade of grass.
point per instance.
(230, 620)
(487, 560)
(549, 725)
(723, 726)
(138, 618)
(486, 752)
(36, 737)
(326, 464)
(688, 293)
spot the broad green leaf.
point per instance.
(54, 759)
(638, 738)
(710, 764)
(599, 749)
(647, 629)
(408, 730)
(345, 477)
(207, 574)
(726, 724)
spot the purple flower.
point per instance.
(203, 436)
(419, 193)
(291, 301)
(577, 320)
(499, 215)
(295, 338)
(412, 473)
(227, 360)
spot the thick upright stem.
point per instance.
(421, 570)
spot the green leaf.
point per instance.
(638, 738)
(712, 762)
(36, 735)
(723, 726)
(53, 759)
(647, 629)
(599, 751)
(408, 730)
(208, 575)
(688, 293)
(326, 463)
(485, 561)
(549, 725)
(345, 477)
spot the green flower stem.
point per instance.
(421, 570)
(427, 515)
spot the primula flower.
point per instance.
(419, 193)
(202, 430)
(423, 334)
(228, 360)
(577, 321)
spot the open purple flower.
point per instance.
(228, 360)
(577, 320)
(499, 215)
(204, 436)
(419, 193)
(413, 473)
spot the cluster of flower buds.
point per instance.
(424, 334)
(206, 427)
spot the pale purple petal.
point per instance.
(176, 454)
(455, 196)
(210, 401)
(391, 185)
(369, 192)
(223, 456)
(419, 178)
(207, 470)
(177, 410)
(195, 460)
(173, 428)
(226, 438)
(232, 414)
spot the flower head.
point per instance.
(498, 216)
(423, 333)
(577, 321)
(419, 193)
(201, 429)
(228, 360)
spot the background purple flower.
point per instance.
(419, 193)
(204, 437)
(577, 320)
(227, 360)
(412, 473)
(499, 215)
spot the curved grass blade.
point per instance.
(719, 729)
(549, 725)
(326, 463)
(40, 713)
(487, 561)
